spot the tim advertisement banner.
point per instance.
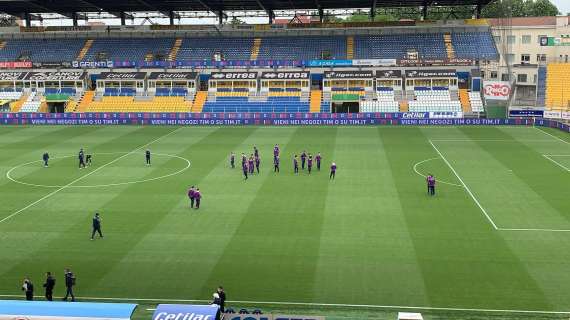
(497, 90)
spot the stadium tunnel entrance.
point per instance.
(346, 107)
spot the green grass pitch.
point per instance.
(496, 236)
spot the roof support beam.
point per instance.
(219, 13)
(373, 10)
(270, 12)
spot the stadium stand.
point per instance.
(433, 100)
(299, 48)
(474, 45)
(129, 104)
(41, 50)
(385, 102)
(428, 46)
(206, 48)
(243, 104)
(476, 102)
(557, 92)
(133, 49)
(32, 104)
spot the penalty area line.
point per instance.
(556, 162)
(316, 304)
(464, 186)
(553, 136)
(85, 176)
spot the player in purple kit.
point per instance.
(255, 151)
(250, 164)
(257, 163)
(333, 171)
(233, 160)
(318, 159)
(192, 196)
(310, 163)
(276, 151)
(198, 197)
(243, 159)
(303, 159)
(431, 184)
(276, 164)
(295, 164)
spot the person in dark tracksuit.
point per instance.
(233, 160)
(276, 164)
(303, 159)
(295, 164)
(310, 163)
(81, 157)
(49, 285)
(88, 159)
(147, 156)
(333, 171)
(69, 284)
(318, 158)
(45, 157)
(222, 295)
(28, 288)
(96, 226)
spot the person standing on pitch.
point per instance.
(276, 164)
(333, 171)
(81, 157)
(49, 285)
(303, 159)
(96, 226)
(295, 164)
(192, 196)
(318, 159)
(69, 284)
(198, 196)
(431, 184)
(310, 163)
(28, 288)
(147, 156)
(250, 164)
(88, 159)
(233, 160)
(45, 157)
(222, 295)
(257, 163)
(245, 169)
(255, 151)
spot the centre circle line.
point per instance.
(9, 173)
(422, 175)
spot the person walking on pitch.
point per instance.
(69, 284)
(333, 171)
(49, 285)
(147, 156)
(233, 160)
(257, 163)
(81, 157)
(96, 226)
(303, 159)
(431, 184)
(318, 158)
(198, 197)
(45, 158)
(310, 163)
(295, 164)
(192, 196)
(276, 164)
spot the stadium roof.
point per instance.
(66, 7)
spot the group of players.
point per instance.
(252, 164)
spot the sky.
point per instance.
(563, 5)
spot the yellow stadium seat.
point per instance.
(557, 88)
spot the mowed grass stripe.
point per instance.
(273, 254)
(188, 243)
(534, 171)
(67, 214)
(365, 239)
(460, 256)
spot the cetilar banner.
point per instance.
(186, 312)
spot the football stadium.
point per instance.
(301, 159)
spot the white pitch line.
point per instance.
(84, 176)
(553, 136)
(415, 167)
(556, 163)
(533, 229)
(465, 186)
(491, 140)
(315, 304)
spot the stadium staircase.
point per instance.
(255, 49)
(174, 50)
(404, 106)
(557, 91)
(43, 107)
(17, 105)
(85, 49)
(71, 105)
(316, 100)
(449, 46)
(541, 87)
(350, 47)
(200, 100)
(85, 100)
(464, 98)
